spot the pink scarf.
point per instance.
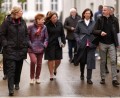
(37, 33)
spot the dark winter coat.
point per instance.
(55, 31)
(70, 22)
(82, 34)
(99, 26)
(14, 37)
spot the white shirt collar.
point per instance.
(87, 22)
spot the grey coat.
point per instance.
(82, 34)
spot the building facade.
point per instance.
(62, 7)
(32, 7)
(92, 4)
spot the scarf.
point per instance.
(37, 33)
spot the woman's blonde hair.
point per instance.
(15, 10)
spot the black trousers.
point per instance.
(89, 71)
(4, 66)
(13, 72)
(83, 61)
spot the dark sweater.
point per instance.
(107, 27)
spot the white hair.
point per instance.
(73, 10)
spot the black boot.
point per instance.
(11, 93)
(115, 83)
(82, 77)
(89, 81)
(102, 81)
(17, 86)
(5, 77)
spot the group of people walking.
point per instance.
(46, 36)
(90, 34)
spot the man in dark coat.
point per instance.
(70, 24)
(106, 28)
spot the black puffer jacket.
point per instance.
(14, 36)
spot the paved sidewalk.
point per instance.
(67, 83)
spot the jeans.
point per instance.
(112, 54)
(71, 45)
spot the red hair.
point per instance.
(39, 16)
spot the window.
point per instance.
(7, 5)
(39, 5)
(54, 5)
(24, 6)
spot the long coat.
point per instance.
(82, 34)
(14, 36)
(54, 31)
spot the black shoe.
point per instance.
(118, 70)
(115, 83)
(5, 77)
(17, 86)
(82, 77)
(55, 73)
(51, 79)
(89, 82)
(102, 81)
(11, 93)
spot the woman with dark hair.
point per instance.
(85, 49)
(38, 39)
(56, 41)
